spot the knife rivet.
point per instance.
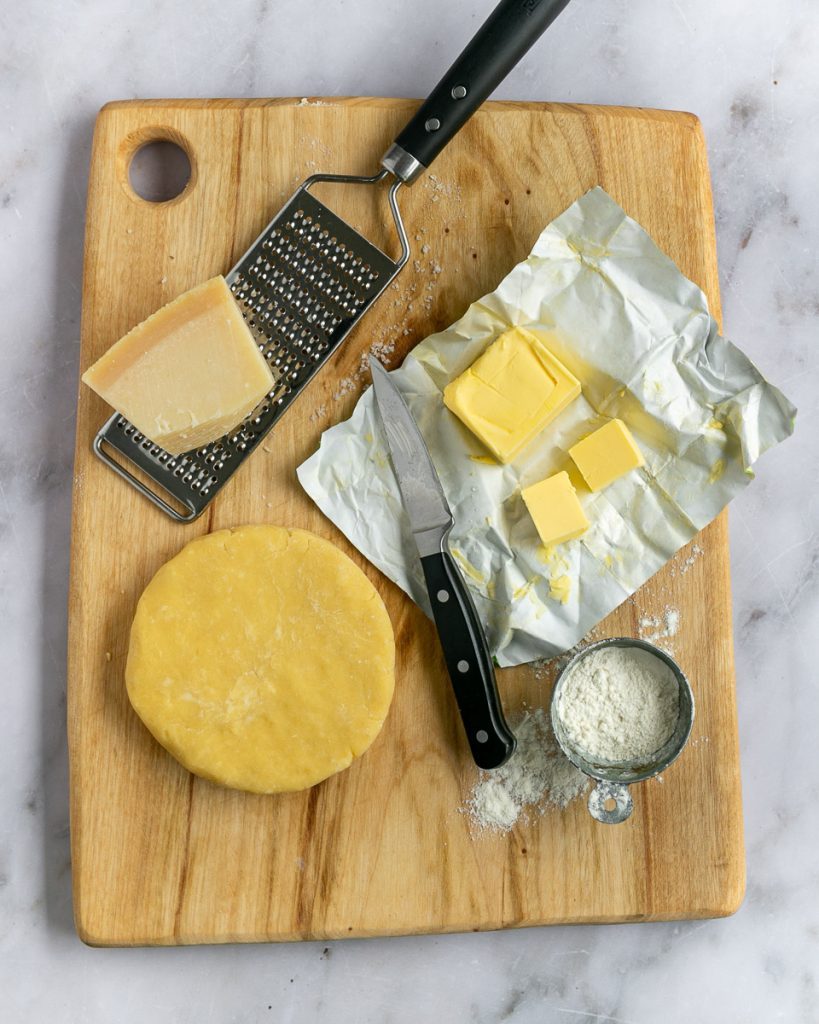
(443, 596)
(463, 666)
(481, 735)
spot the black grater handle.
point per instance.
(468, 662)
(506, 35)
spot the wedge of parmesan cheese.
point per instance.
(188, 374)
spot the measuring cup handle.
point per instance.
(498, 45)
(602, 793)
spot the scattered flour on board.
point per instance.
(440, 188)
(381, 350)
(346, 386)
(536, 777)
(683, 567)
(546, 670)
(316, 144)
(655, 628)
(416, 296)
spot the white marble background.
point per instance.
(750, 71)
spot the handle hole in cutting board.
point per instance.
(159, 171)
(157, 166)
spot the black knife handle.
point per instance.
(468, 662)
(499, 44)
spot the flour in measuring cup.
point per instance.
(618, 704)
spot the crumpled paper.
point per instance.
(639, 337)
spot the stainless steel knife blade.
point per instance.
(424, 500)
(466, 652)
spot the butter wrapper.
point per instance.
(640, 338)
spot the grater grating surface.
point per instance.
(309, 277)
(302, 286)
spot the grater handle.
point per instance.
(499, 44)
(468, 662)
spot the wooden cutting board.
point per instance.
(160, 856)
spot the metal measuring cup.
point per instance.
(610, 801)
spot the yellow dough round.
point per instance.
(262, 658)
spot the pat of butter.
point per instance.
(555, 509)
(511, 392)
(189, 373)
(606, 455)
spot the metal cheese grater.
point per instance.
(301, 286)
(309, 277)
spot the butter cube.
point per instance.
(511, 392)
(189, 373)
(555, 509)
(606, 455)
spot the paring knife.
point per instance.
(466, 653)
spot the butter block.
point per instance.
(511, 392)
(189, 373)
(606, 455)
(555, 509)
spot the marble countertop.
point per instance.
(750, 72)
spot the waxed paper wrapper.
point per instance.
(639, 337)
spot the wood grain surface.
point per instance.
(162, 857)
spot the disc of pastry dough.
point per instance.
(262, 658)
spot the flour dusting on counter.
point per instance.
(659, 629)
(417, 296)
(546, 669)
(538, 776)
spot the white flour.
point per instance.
(688, 562)
(546, 669)
(440, 188)
(536, 776)
(402, 322)
(619, 703)
(655, 628)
